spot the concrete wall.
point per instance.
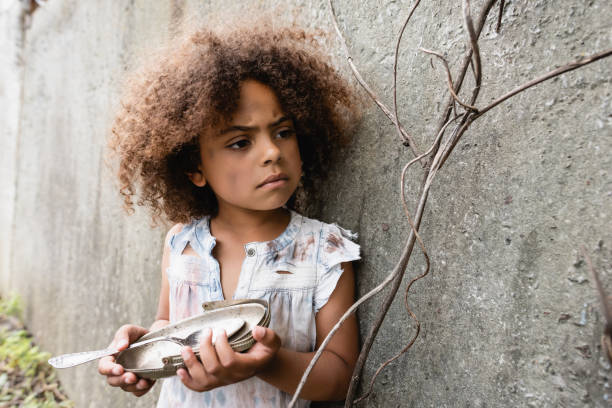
(529, 183)
(12, 20)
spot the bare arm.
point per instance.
(331, 375)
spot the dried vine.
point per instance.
(436, 155)
(606, 307)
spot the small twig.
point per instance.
(499, 16)
(569, 67)
(399, 40)
(469, 26)
(395, 279)
(459, 131)
(606, 337)
(428, 266)
(398, 355)
(405, 135)
(603, 298)
(425, 273)
(406, 253)
(464, 67)
(449, 79)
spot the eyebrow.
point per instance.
(247, 128)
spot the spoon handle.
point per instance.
(73, 359)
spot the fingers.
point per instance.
(212, 371)
(267, 337)
(221, 365)
(263, 351)
(135, 385)
(130, 382)
(116, 375)
(225, 353)
(107, 366)
(208, 354)
(126, 335)
(193, 376)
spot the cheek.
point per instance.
(233, 178)
(236, 180)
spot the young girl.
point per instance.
(221, 136)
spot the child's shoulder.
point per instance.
(176, 228)
(185, 228)
(332, 241)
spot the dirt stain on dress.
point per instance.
(333, 243)
(301, 249)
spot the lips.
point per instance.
(274, 178)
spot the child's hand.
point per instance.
(221, 365)
(116, 375)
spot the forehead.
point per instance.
(257, 102)
(258, 106)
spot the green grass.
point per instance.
(26, 379)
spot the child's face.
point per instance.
(252, 161)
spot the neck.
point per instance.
(250, 225)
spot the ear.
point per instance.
(197, 177)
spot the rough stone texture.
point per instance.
(509, 316)
(11, 23)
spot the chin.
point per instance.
(273, 204)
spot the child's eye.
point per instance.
(240, 144)
(285, 133)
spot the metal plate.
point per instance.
(162, 358)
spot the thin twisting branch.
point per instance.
(406, 253)
(569, 67)
(449, 79)
(407, 212)
(418, 324)
(499, 16)
(405, 135)
(399, 40)
(427, 261)
(469, 26)
(603, 298)
(606, 337)
(566, 68)
(464, 67)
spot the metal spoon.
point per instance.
(231, 326)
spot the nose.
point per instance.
(271, 153)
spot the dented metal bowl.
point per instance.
(162, 358)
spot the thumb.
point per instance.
(121, 340)
(126, 335)
(266, 337)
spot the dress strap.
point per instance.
(195, 234)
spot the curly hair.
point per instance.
(196, 85)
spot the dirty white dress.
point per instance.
(310, 250)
